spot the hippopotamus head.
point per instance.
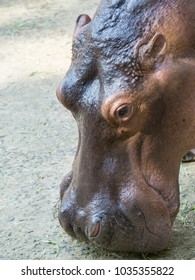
(130, 88)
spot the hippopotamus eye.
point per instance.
(119, 110)
(124, 111)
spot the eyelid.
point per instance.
(124, 111)
(110, 111)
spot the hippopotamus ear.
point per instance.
(151, 51)
(81, 21)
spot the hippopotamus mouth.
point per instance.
(136, 220)
(126, 92)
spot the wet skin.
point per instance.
(130, 88)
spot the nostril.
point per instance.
(94, 230)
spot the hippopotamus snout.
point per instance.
(84, 223)
(119, 223)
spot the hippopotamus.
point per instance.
(131, 90)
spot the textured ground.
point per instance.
(38, 137)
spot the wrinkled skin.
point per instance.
(131, 90)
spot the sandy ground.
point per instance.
(38, 138)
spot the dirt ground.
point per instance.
(38, 138)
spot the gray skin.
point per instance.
(130, 88)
